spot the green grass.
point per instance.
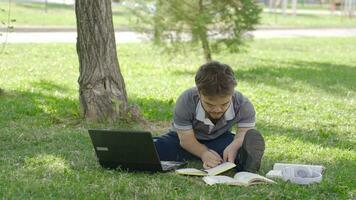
(34, 15)
(57, 15)
(304, 92)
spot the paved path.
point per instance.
(129, 36)
(63, 37)
(310, 32)
(305, 12)
(68, 2)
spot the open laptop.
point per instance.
(129, 150)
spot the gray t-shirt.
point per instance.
(189, 114)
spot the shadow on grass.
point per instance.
(43, 108)
(321, 136)
(154, 109)
(50, 86)
(38, 108)
(332, 78)
(335, 79)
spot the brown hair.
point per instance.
(215, 79)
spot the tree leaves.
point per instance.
(215, 23)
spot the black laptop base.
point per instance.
(131, 167)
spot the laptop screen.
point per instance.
(133, 149)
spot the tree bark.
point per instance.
(102, 90)
(206, 47)
(203, 34)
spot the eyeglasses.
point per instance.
(215, 108)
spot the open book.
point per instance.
(208, 172)
(241, 179)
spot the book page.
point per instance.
(248, 178)
(212, 180)
(220, 168)
(191, 171)
(274, 174)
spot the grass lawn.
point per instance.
(34, 15)
(304, 92)
(57, 15)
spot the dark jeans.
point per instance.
(168, 146)
(169, 149)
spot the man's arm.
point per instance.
(231, 150)
(189, 142)
(240, 135)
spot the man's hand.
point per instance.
(188, 142)
(230, 151)
(211, 159)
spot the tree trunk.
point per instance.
(203, 34)
(205, 44)
(102, 90)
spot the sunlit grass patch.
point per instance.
(47, 164)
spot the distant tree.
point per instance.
(46, 5)
(2, 23)
(1, 49)
(6, 20)
(101, 86)
(223, 20)
(5, 23)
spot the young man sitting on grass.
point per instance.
(203, 118)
